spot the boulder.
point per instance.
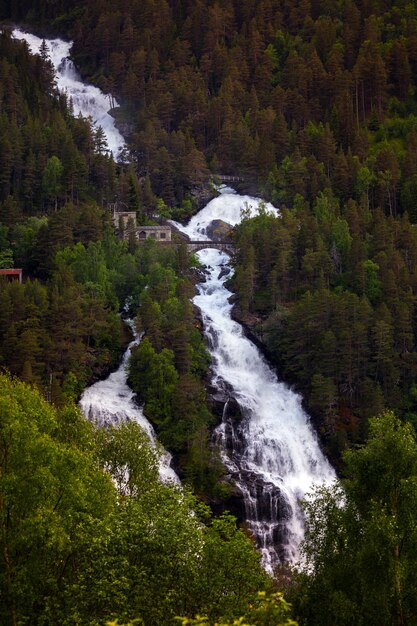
(219, 231)
(225, 271)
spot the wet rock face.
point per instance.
(233, 411)
(202, 196)
(221, 400)
(226, 271)
(218, 230)
(234, 504)
(260, 504)
(266, 512)
(217, 400)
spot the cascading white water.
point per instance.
(111, 402)
(86, 99)
(272, 452)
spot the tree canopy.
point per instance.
(89, 533)
(361, 541)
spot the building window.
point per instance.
(142, 234)
(162, 235)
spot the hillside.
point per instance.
(313, 104)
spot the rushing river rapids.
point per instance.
(272, 452)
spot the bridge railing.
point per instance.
(226, 178)
(194, 246)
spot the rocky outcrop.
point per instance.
(202, 196)
(254, 500)
(219, 231)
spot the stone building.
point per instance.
(125, 223)
(160, 233)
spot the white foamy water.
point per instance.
(86, 99)
(227, 207)
(272, 453)
(111, 401)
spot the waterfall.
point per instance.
(271, 452)
(86, 100)
(111, 402)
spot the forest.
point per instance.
(314, 105)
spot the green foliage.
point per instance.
(57, 332)
(52, 492)
(372, 283)
(126, 454)
(48, 158)
(6, 258)
(282, 94)
(154, 378)
(334, 298)
(52, 179)
(361, 541)
(267, 610)
(88, 531)
(169, 367)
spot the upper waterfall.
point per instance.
(87, 100)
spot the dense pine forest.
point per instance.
(314, 105)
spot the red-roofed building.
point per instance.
(12, 274)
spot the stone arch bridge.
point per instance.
(224, 246)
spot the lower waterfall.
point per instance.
(111, 402)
